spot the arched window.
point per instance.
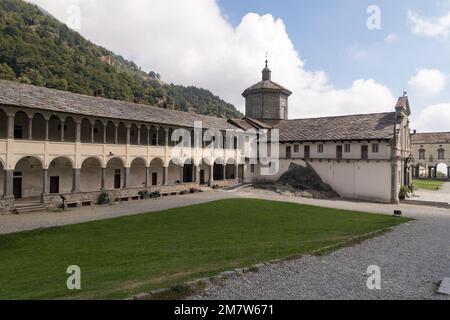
(422, 154)
(441, 154)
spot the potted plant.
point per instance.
(404, 191)
(144, 194)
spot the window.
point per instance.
(307, 152)
(288, 153)
(296, 148)
(441, 154)
(422, 154)
(252, 168)
(320, 148)
(375, 148)
(364, 152)
(348, 148)
(339, 152)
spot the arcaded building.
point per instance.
(55, 143)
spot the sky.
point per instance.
(338, 57)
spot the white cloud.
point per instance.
(432, 28)
(357, 52)
(391, 38)
(434, 118)
(192, 43)
(428, 82)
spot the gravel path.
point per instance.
(414, 259)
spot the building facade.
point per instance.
(431, 150)
(56, 144)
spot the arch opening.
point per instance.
(115, 170)
(91, 175)
(60, 176)
(156, 172)
(28, 179)
(138, 173)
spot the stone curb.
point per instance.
(255, 268)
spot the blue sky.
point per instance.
(324, 33)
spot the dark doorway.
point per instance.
(188, 173)
(54, 185)
(202, 176)
(339, 152)
(17, 185)
(241, 173)
(117, 179)
(154, 179)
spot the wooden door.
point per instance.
(17, 187)
(54, 185)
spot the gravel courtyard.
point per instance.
(414, 259)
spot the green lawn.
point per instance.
(428, 184)
(134, 254)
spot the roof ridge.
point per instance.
(341, 116)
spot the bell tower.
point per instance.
(267, 101)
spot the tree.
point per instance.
(6, 72)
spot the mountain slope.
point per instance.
(38, 49)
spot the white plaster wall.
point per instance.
(32, 178)
(137, 175)
(90, 176)
(174, 174)
(157, 167)
(110, 170)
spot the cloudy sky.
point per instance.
(344, 57)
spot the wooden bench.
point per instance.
(87, 203)
(72, 204)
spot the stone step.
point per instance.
(30, 208)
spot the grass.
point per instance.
(433, 185)
(129, 255)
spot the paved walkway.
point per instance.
(442, 195)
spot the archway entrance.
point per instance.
(442, 171)
(114, 174)
(91, 175)
(28, 180)
(60, 176)
(137, 173)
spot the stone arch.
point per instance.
(29, 173)
(156, 171)
(134, 134)
(3, 124)
(219, 169)
(442, 170)
(91, 174)
(230, 169)
(115, 173)
(38, 130)
(86, 133)
(138, 168)
(21, 125)
(188, 171)
(54, 128)
(70, 130)
(110, 133)
(121, 133)
(41, 161)
(60, 175)
(174, 172)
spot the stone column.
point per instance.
(139, 136)
(76, 180)
(30, 128)
(11, 126)
(224, 172)
(211, 175)
(128, 134)
(147, 177)
(197, 174)
(126, 178)
(8, 186)
(116, 137)
(78, 131)
(104, 133)
(92, 132)
(166, 176)
(103, 178)
(45, 182)
(182, 174)
(236, 172)
(47, 138)
(157, 136)
(62, 130)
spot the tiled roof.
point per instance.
(267, 85)
(431, 138)
(27, 96)
(379, 126)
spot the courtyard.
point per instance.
(127, 255)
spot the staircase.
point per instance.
(29, 205)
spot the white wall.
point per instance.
(90, 176)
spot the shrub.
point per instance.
(404, 191)
(143, 194)
(156, 194)
(104, 198)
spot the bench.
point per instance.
(123, 199)
(72, 204)
(87, 203)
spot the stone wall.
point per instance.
(6, 206)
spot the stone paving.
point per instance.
(442, 195)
